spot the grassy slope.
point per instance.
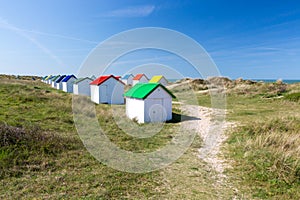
(58, 166)
(264, 149)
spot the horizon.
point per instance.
(252, 79)
(252, 40)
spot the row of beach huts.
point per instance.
(146, 101)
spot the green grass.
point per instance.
(46, 159)
(264, 148)
(293, 97)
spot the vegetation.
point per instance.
(42, 156)
(264, 148)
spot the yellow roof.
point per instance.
(46, 79)
(156, 79)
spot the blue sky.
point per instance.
(249, 39)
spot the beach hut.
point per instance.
(140, 78)
(82, 86)
(53, 84)
(50, 80)
(43, 78)
(107, 89)
(149, 102)
(47, 78)
(127, 79)
(67, 83)
(159, 79)
(93, 77)
(58, 82)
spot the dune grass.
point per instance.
(43, 157)
(265, 146)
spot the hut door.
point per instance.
(156, 111)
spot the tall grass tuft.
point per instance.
(25, 149)
(270, 156)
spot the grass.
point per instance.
(264, 148)
(46, 159)
(42, 156)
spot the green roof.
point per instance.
(81, 79)
(142, 90)
(55, 78)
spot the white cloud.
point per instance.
(132, 11)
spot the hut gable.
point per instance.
(53, 83)
(107, 89)
(82, 86)
(159, 79)
(149, 102)
(127, 79)
(67, 83)
(140, 78)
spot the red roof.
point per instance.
(102, 79)
(138, 76)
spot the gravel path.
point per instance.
(210, 126)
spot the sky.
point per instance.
(248, 39)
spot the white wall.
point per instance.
(135, 109)
(53, 84)
(128, 81)
(111, 91)
(59, 86)
(68, 86)
(117, 92)
(95, 93)
(163, 81)
(159, 96)
(83, 87)
(157, 107)
(75, 89)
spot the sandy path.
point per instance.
(211, 129)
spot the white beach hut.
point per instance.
(53, 84)
(67, 83)
(107, 89)
(149, 102)
(82, 86)
(43, 78)
(140, 78)
(127, 79)
(58, 82)
(47, 78)
(159, 79)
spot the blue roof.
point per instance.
(60, 79)
(127, 76)
(67, 78)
